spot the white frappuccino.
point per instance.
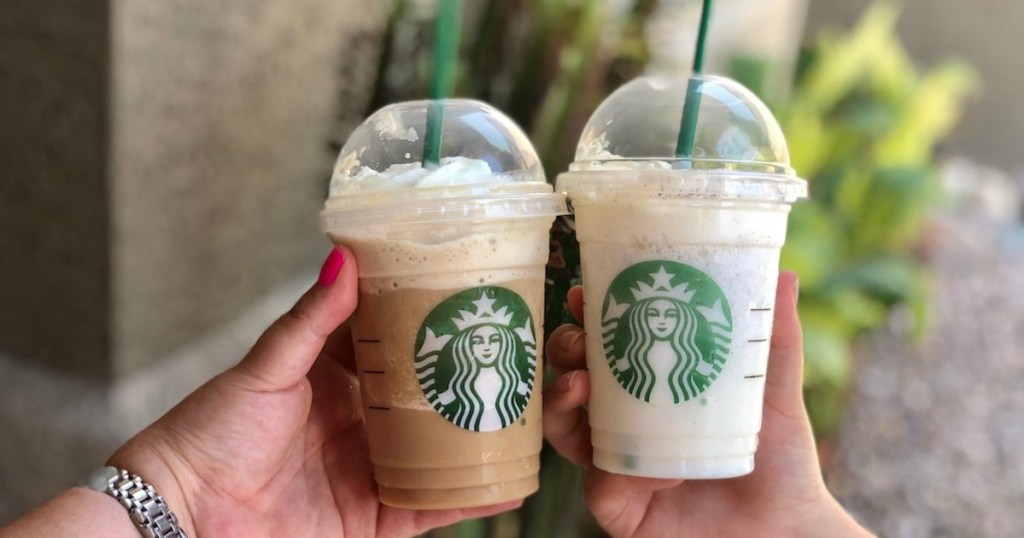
(451, 259)
(680, 261)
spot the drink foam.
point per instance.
(473, 254)
(450, 172)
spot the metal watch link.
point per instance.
(148, 510)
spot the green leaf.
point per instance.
(928, 115)
(827, 355)
(865, 117)
(851, 192)
(811, 245)
(809, 139)
(891, 279)
(894, 210)
(753, 72)
(820, 311)
(859, 310)
(842, 63)
(825, 406)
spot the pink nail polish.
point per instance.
(331, 268)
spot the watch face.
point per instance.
(101, 479)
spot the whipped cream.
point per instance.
(451, 171)
(733, 144)
(389, 126)
(594, 155)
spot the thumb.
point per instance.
(285, 352)
(784, 382)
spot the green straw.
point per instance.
(688, 123)
(446, 51)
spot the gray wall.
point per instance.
(988, 33)
(162, 164)
(54, 219)
(222, 116)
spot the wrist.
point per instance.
(158, 467)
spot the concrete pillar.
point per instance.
(161, 169)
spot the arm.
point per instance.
(232, 458)
(75, 512)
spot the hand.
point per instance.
(276, 446)
(784, 496)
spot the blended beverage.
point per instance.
(680, 261)
(451, 280)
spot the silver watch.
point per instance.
(148, 510)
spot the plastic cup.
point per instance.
(451, 263)
(680, 262)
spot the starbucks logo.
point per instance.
(476, 356)
(666, 329)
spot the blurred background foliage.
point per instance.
(863, 124)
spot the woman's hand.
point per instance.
(784, 496)
(276, 446)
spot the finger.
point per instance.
(784, 380)
(339, 347)
(285, 352)
(565, 349)
(619, 502)
(575, 300)
(565, 423)
(485, 511)
(415, 522)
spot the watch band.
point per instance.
(147, 509)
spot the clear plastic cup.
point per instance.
(451, 285)
(680, 262)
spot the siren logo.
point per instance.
(666, 329)
(476, 358)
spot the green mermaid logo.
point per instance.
(666, 329)
(476, 358)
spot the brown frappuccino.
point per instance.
(448, 328)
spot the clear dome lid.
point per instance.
(487, 166)
(738, 145)
(479, 146)
(640, 122)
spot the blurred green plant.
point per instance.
(863, 124)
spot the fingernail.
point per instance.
(331, 268)
(796, 289)
(568, 340)
(565, 382)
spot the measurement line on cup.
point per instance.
(379, 407)
(367, 341)
(761, 309)
(757, 340)
(753, 376)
